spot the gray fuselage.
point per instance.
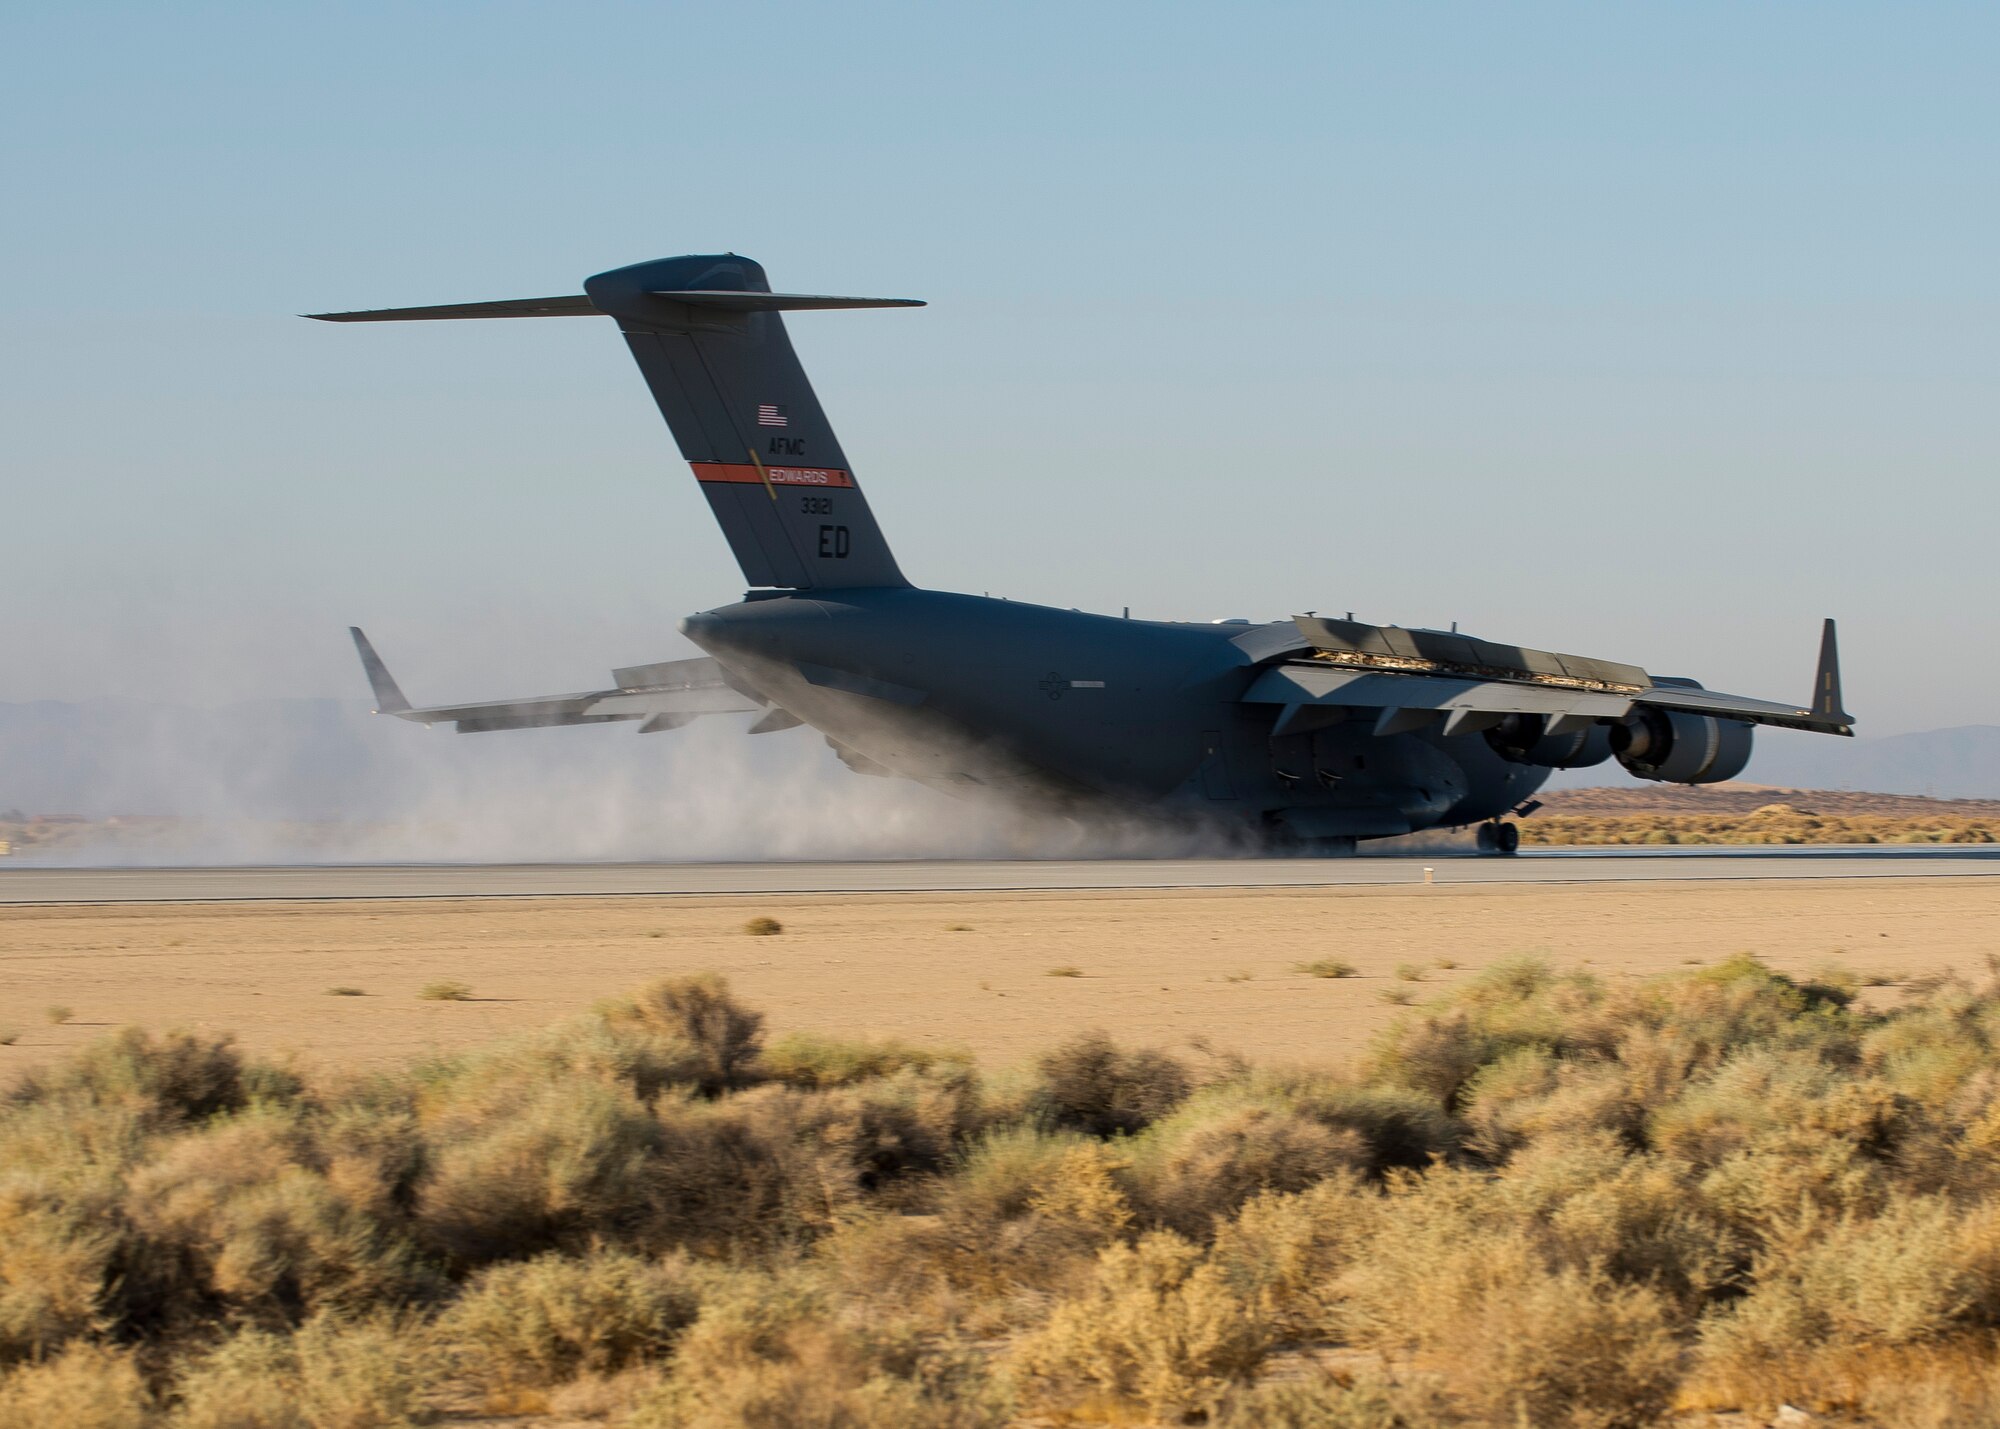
(1086, 713)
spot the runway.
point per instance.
(30, 885)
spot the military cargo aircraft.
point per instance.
(1307, 733)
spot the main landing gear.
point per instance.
(1498, 838)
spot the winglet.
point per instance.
(388, 699)
(1826, 702)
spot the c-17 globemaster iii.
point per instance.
(1308, 733)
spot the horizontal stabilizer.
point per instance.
(576, 307)
(664, 696)
(580, 306)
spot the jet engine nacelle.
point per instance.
(1524, 739)
(1678, 748)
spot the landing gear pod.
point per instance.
(1678, 748)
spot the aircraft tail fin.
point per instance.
(712, 347)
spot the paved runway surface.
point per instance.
(205, 885)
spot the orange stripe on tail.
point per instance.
(744, 474)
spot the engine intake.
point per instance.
(1524, 739)
(1677, 748)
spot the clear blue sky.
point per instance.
(1652, 332)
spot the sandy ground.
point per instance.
(971, 970)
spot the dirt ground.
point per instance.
(974, 970)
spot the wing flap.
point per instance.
(1385, 689)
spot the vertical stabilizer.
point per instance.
(708, 337)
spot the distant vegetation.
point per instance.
(1538, 1199)
(446, 990)
(1755, 814)
(1770, 824)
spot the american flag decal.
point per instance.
(770, 414)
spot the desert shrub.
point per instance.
(807, 1059)
(57, 1014)
(1329, 1403)
(446, 990)
(774, 1351)
(1696, 1020)
(57, 1258)
(249, 1381)
(549, 1319)
(175, 1078)
(1557, 1198)
(644, 1056)
(1001, 1175)
(731, 1177)
(237, 1214)
(1529, 1095)
(1159, 1326)
(1565, 1347)
(1511, 1005)
(371, 1151)
(1223, 1146)
(372, 1373)
(1089, 1084)
(1327, 967)
(763, 927)
(1588, 1202)
(1446, 1271)
(85, 1387)
(514, 1176)
(1397, 1126)
(700, 1012)
(871, 1135)
(1772, 1130)
(1282, 1255)
(9, 1034)
(1828, 1291)
(1024, 1215)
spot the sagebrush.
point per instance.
(1539, 1198)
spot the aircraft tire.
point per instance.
(1499, 839)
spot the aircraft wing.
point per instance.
(1410, 678)
(665, 696)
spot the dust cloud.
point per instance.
(322, 781)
